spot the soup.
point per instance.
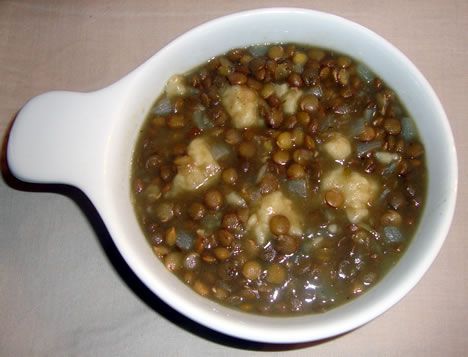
(281, 179)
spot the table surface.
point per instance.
(64, 289)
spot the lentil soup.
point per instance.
(281, 179)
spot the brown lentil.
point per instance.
(281, 157)
(309, 103)
(247, 149)
(286, 244)
(221, 253)
(302, 156)
(268, 184)
(279, 224)
(274, 117)
(225, 237)
(201, 288)
(237, 78)
(197, 211)
(233, 136)
(334, 198)
(368, 134)
(171, 236)
(296, 171)
(392, 126)
(414, 150)
(295, 80)
(284, 140)
(176, 121)
(213, 199)
(231, 221)
(173, 261)
(252, 270)
(165, 211)
(391, 218)
(230, 176)
(276, 274)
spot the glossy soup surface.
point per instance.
(281, 179)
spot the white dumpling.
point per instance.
(358, 190)
(241, 103)
(175, 86)
(290, 101)
(338, 146)
(270, 205)
(289, 96)
(197, 169)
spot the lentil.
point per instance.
(279, 224)
(284, 141)
(309, 103)
(296, 171)
(252, 270)
(247, 149)
(281, 157)
(197, 211)
(334, 198)
(276, 274)
(213, 199)
(230, 176)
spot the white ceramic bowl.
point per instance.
(87, 140)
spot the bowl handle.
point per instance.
(61, 137)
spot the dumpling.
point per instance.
(241, 103)
(197, 169)
(270, 205)
(338, 146)
(358, 191)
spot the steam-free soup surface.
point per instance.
(279, 179)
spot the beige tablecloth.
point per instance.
(64, 290)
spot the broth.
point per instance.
(281, 179)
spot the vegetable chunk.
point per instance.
(176, 86)
(241, 103)
(198, 169)
(338, 147)
(359, 191)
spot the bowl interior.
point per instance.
(269, 26)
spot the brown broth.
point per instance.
(307, 133)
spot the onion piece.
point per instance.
(408, 128)
(360, 123)
(364, 148)
(211, 222)
(369, 113)
(384, 194)
(201, 120)
(358, 126)
(258, 50)
(261, 173)
(163, 107)
(390, 169)
(315, 90)
(184, 240)
(328, 123)
(298, 68)
(364, 72)
(297, 187)
(234, 199)
(385, 157)
(369, 229)
(220, 150)
(392, 234)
